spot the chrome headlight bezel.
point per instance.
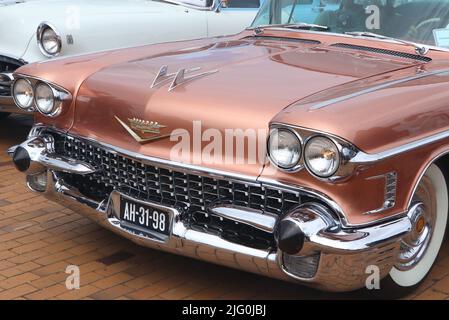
(60, 95)
(295, 165)
(44, 26)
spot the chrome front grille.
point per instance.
(190, 193)
(8, 65)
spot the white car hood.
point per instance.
(26, 16)
(85, 7)
(4, 3)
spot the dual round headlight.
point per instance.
(321, 154)
(48, 40)
(40, 96)
(23, 94)
(44, 98)
(285, 148)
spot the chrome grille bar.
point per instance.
(192, 193)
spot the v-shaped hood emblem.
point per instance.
(145, 127)
(178, 78)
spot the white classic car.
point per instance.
(44, 29)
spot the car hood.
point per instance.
(60, 7)
(246, 84)
(4, 3)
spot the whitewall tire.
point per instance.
(420, 249)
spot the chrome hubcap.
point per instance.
(414, 245)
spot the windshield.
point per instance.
(422, 21)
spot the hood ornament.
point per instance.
(144, 127)
(178, 78)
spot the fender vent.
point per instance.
(383, 52)
(308, 41)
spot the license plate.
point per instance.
(145, 216)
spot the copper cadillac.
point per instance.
(355, 102)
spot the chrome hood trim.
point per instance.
(385, 85)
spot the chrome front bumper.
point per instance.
(330, 257)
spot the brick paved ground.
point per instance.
(39, 239)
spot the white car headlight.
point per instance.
(322, 156)
(49, 40)
(23, 94)
(45, 98)
(284, 148)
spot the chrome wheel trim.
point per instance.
(414, 245)
(420, 248)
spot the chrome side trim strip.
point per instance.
(365, 158)
(373, 89)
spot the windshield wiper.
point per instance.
(420, 49)
(306, 26)
(259, 29)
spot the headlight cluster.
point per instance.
(32, 94)
(291, 151)
(48, 40)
